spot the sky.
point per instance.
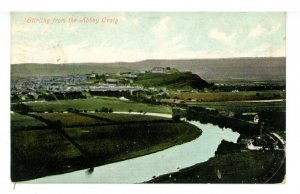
(112, 37)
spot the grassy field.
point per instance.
(113, 137)
(38, 153)
(70, 119)
(244, 167)
(119, 142)
(19, 121)
(240, 107)
(127, 117)
(229, 96)
(97, 103)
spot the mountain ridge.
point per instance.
(245, 67)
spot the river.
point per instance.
(144, 168)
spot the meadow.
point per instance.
(119, 142)
(86, 140)
(38, 153)
(97, 103)
(229, 96)
(70, 119)
(117, 117)
(19, 121)
(240, 106)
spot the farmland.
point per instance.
(69, 119)
(65, 117)
(86, 140)
(127, 117)
(19, 121)
(240, 106)
(37, 153)
(96, 103)
(229, 96)
(119, 142)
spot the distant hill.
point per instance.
(34, 69)
(180, 80)
(208, 69)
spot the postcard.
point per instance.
(148, 97)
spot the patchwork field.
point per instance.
(70, 119)
(229, 96)
(115, 117)
(38, 153)
(19, 121)
(90, 139)
(240, 106)
(97, 103)
(119, 142)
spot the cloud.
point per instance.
(161, 29)
(266, 50)
(274, 28)
(218, 35)
(257, 31)
(163, 36)
(167, 42)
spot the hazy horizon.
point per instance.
(165, 59)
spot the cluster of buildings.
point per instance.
(31, 86)
(270, 141)
(48, 83)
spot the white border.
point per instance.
(293, 94)
(152, 5)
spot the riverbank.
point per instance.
(69, 147)
(238, 167)
(144, 168)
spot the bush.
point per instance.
(71, 110)
(176, 117)
(104, 109)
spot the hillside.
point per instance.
(180, 80)
(34, 69)
(208, 69)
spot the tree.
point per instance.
(176, 117)
(20, 107)
(71, 110)
(104, 109)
